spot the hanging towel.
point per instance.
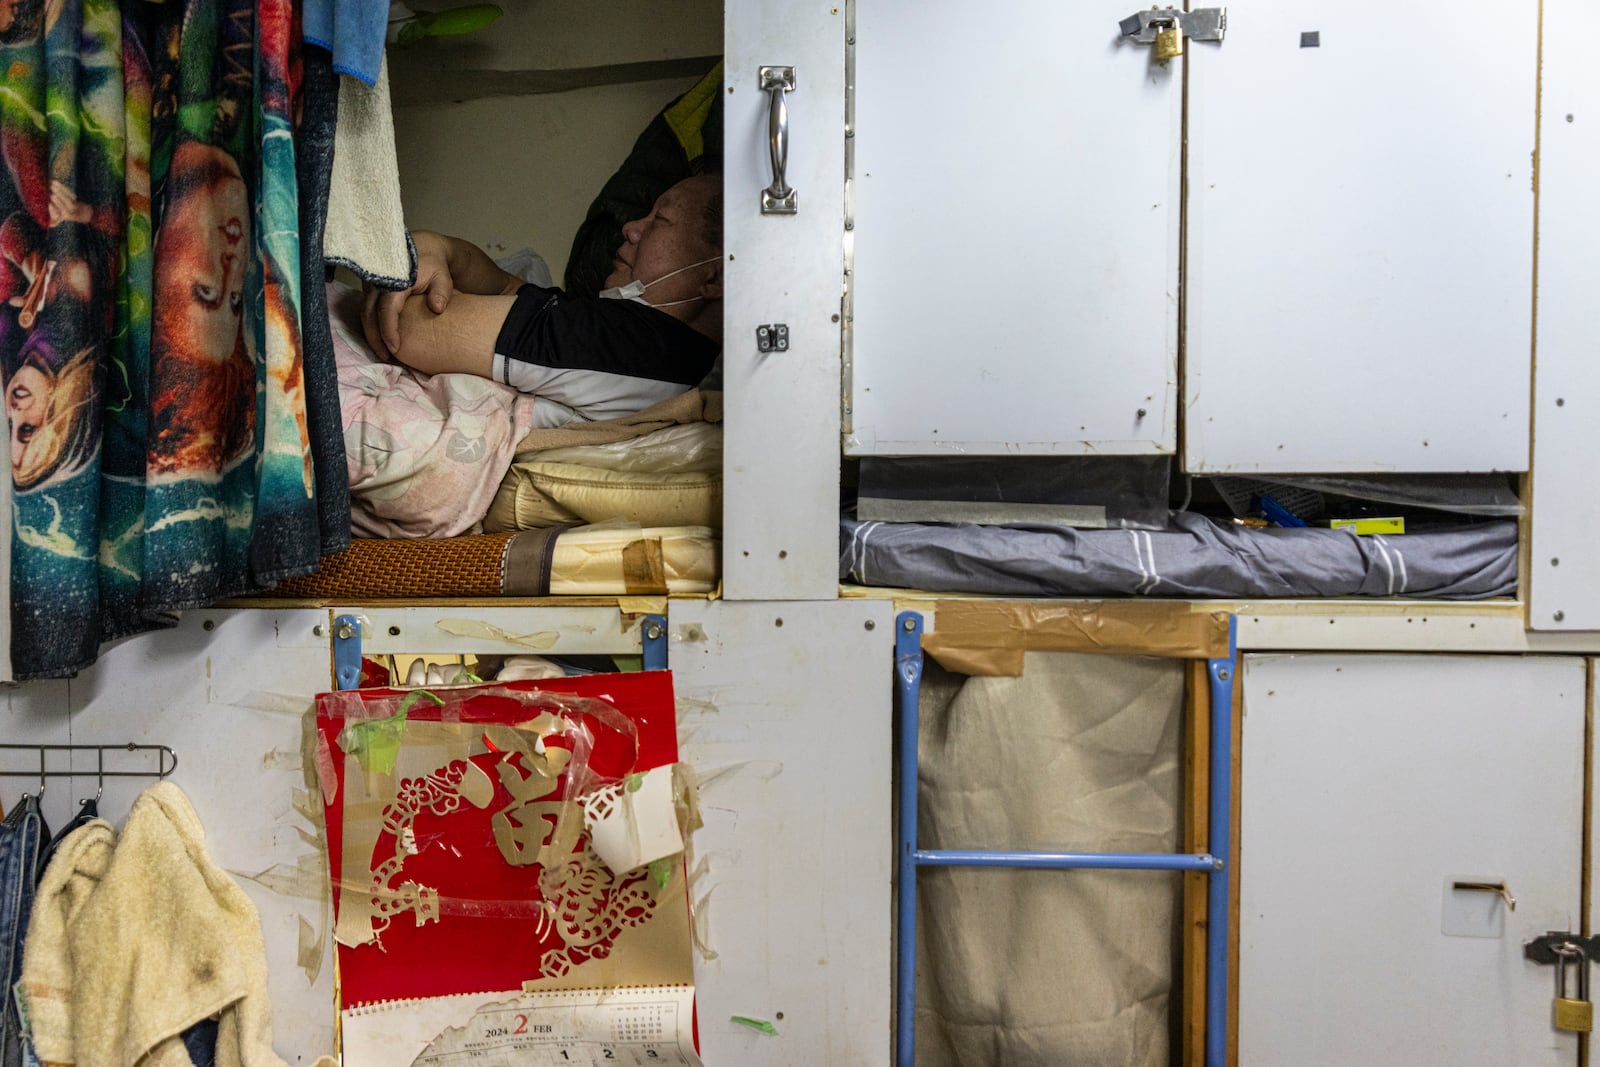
(74, 872)
(353, 30)
(319, 109)
(366, 228)
(138, 942)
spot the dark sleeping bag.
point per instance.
(683, 140)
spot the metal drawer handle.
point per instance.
(778, 198)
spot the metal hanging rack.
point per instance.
(166, 762)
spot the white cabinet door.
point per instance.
(1015, 232)
(1370, 784)
(1564, 579)
(1360, 237)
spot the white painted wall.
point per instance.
(520, 171)
(572, 34)
(232, 702)
(507, 172)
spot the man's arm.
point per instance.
(474, 272)
(445, 264)
(460, 339)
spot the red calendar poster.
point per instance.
(466, 882)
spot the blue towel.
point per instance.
(353, 30)
(316, 22)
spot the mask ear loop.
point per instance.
(674, 303)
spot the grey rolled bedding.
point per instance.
(1193, 557)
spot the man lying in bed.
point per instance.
(654, 333)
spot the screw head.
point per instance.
(317, 631)
(1224, 674)
(208, 625)
(345, 631)
(909, 625)
(653, 631)
(871, 625)
(1560, 615)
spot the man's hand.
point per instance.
(380, 318)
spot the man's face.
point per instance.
(201, 249)
(668, 238)
(8, 14)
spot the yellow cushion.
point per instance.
(536, 494)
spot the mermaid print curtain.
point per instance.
(149, 316)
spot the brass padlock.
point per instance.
(1573, 1015)
(1169, 40)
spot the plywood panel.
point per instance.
(231, 701)
(780, 534)
(1369, 782)
(1016, 232)
(788, 727)
(1564, 576)
(1360, 238)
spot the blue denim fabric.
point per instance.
(200, 1040)
(22, 836)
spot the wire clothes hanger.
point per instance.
(166, 763)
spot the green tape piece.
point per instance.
(376, 744)
(661, 871)
(754, 1024)
(414, 696)
(633, 783)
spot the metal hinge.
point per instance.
(347, 652)
(1205, 24)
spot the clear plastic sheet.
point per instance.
(555, 737)
(465, 827)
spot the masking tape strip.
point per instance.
(643, 568)
(641, 605)
(989, 637)
(538, 641)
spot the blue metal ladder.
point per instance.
(908, 682)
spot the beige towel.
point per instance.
(74, 873)
(130, 946)
(366, 229)
(697, 405)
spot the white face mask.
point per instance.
(634, 290)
